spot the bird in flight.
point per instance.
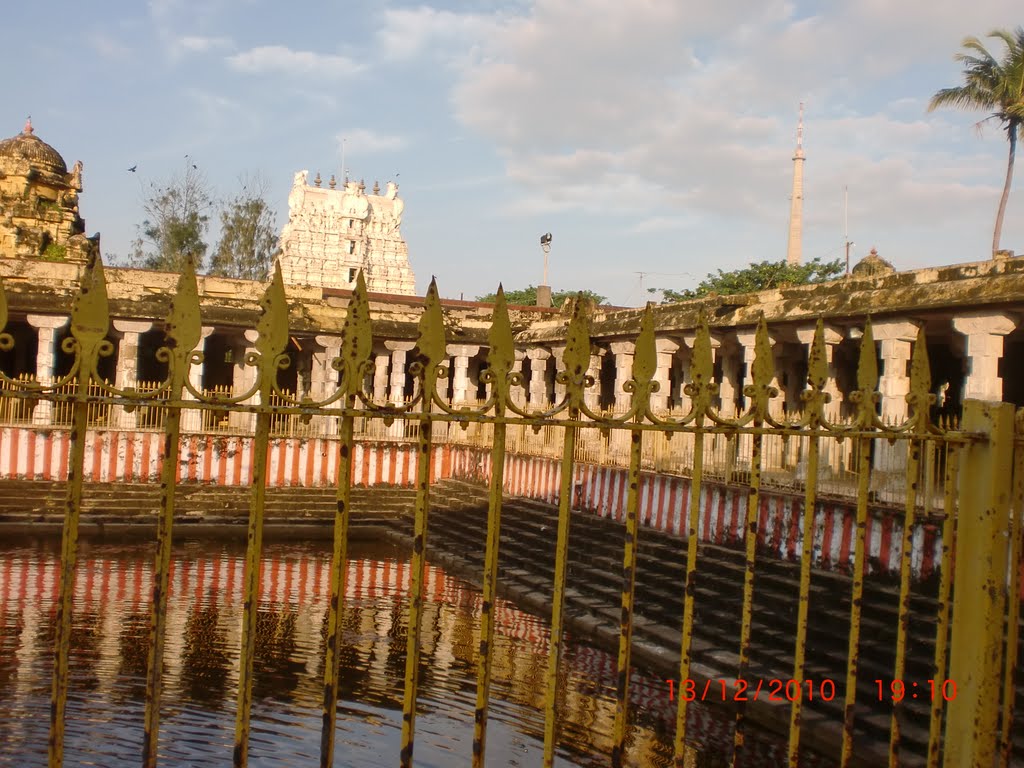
(132, 169)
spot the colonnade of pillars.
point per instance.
(980, 336)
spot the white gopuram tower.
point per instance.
(796, 206)
(333, 233)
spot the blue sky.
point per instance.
(649, 136)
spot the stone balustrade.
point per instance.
(977, 348)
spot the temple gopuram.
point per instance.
(333, 233)
(39, 202)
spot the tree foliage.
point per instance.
(177, 218)
(759, 276)
(248, 235)
(527, 297)
(997, 86)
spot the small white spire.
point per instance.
(800, 131)
(796, 213)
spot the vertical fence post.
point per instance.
(979, 586)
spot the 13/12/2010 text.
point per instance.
(778, 689)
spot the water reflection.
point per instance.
(109, 653)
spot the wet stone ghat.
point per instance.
(455, 547)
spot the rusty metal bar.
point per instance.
(977, 649)
(183, 333)
(859, 556)
(1016, 534)
(339, 571)
(417, 586)
(942, 614)
(253, 559)
(272, 338)
(629, 554)
(68, 561)
(806, 556)
(160, 586)
(692, 541)
(90, 320)
(558, 590)
(913, 476)
(750, 538)
(490, 593)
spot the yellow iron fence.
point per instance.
(974, 476)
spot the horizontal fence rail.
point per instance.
(963, 482)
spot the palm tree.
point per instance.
(995, 85)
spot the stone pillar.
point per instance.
(746, 341)
(731, 384)
(984, 332)
(685, 357)
(192, 420)
(666, 350)
(538, 377)
(127, 373)
(896, 337)
(592, 395)
(245, 377)
(557, 353)
(476, 367)
(832, 340)
(726, 387)
(323, 379)
(46, 357)
(460, 371)
(623, 351)
(381, 361)
(399, 351)
(785, 369)
(518, 393)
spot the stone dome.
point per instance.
(33, 150)
(872, 265)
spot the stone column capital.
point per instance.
(690, 338)
(749, 338)
(993, 323)
(251, 335)
(47, 321)
(132, 326)
(894, 330)
(462, 350)
(666, 345)
(622, 348)
(538, 353)
(399, 346)
(805, 334)
(327, 341)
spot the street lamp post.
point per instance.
(544, 290)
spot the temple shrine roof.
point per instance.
(28, 147)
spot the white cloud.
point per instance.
(673, 112)
(201, 44)
(278, 59)
(407, 33)
(107, 46)
(360, 141)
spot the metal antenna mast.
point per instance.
(846, 225)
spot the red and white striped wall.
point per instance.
(664, 504)
(298, 580)
(116, 456)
